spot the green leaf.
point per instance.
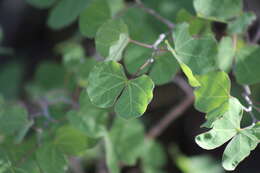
(241, 24)
(41, 3)
(186, 70)
(65, 13)
(116, 6)
(226, 53)
(128, 136)
(162, 70)
(198, 26)
(213, 92)
(256, 130)
(108, 81)
(72, 141)
(43, 73)
(224, 128)
(51, 160)
(220, 10)
(13, 119)
(111, 157)
(238, 149)
(153, 157)
(111, 39)
(139, 26)
(247, 65)
(89, 119)
(198, 54)
(15, 71)
(136, 96)
(93, 17)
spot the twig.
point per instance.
(249, 109)
(155, 48)
(175, 112)
(155, 14)
(141, 44)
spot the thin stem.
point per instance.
(249, 109)
(148, 46)
(141, 44)
(175, 112)
(154, 47)
(155, 14)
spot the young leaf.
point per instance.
(224, 128)
(93, 17)
(247, 68)
(65, 12)
(107, 81)
(213, 92)
(51, 160)
(220, 10)
(41, 4)
(111, 39)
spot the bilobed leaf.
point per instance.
(241, 24)
(107, 81)
(111, 39)
(197, 53)
(51, 160)
(65, 13)
(220, 10)
(213, 92)
(224, 128)
(41, 3)
(128, 136)
(226, 53)
(93, 17)
(72, 141)
(247, 65)
(238, 149)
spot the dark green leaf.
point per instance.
(93, 17)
